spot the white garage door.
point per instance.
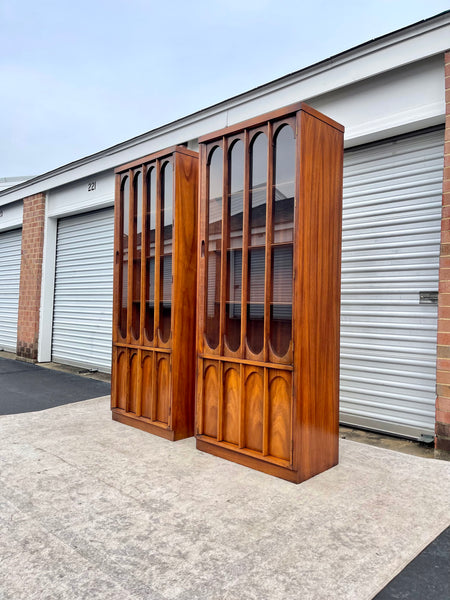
(10, 252)
(390, 262)
(82, 314)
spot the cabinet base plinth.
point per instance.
(249, 461)
(138, 423)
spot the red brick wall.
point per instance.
(443, 349)
(30, 276)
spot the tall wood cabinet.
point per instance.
(269, 286)
(153, 376)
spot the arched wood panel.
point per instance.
(210, 401)
(280, 394)
(133, 382)
(147, 385)
(121, 384)
(230, 422)
(253, 409)
(163, 390)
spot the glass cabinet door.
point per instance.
(165, 292)
(150, 220)
(137, 247)
(235, 207)
(124, 209)
(214, 245)
(283, 194)
(257, 242)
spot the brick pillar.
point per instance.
(31, 276)
(442, 440)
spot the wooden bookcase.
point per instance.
(269, 289)
(153, 373)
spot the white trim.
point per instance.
(11, 216)
(389, 52)
(47, 288)
(75, 198)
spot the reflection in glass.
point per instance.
(125, 211)
(236, 194)
(214, 238)
(234, 244)
(281, 293)
(137, 245)
(284, 185)
(150, 220)
(165, 300)
(233, 305)
(258, 188)
(255, 305)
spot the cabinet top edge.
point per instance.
(155, 155)
(284, 112)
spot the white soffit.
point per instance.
(11, 216)
(411, 44)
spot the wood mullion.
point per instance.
(224, 248)
(254, 362)
(173, 241)
(245, 244)
(144, 234)
(130, 255)
(220, 404)
(157, 253)
(154, 387)
(139, 385)
(242, 406)
(268, 257)
(266, 413)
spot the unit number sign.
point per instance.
(91, 186)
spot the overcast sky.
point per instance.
(77, 77)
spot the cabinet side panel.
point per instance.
(184, 294)
(317, 290)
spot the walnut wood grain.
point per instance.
(279, 414)
(153, 382)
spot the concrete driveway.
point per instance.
(92, 509)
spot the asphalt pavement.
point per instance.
(26, 387)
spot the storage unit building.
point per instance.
(390, 96)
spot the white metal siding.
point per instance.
(391, 237)
(82, 317)
(10, 253)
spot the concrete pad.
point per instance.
(85, 499)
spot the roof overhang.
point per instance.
(392, 51)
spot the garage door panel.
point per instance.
(82, 316)
(10, 257)
(391, 243)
